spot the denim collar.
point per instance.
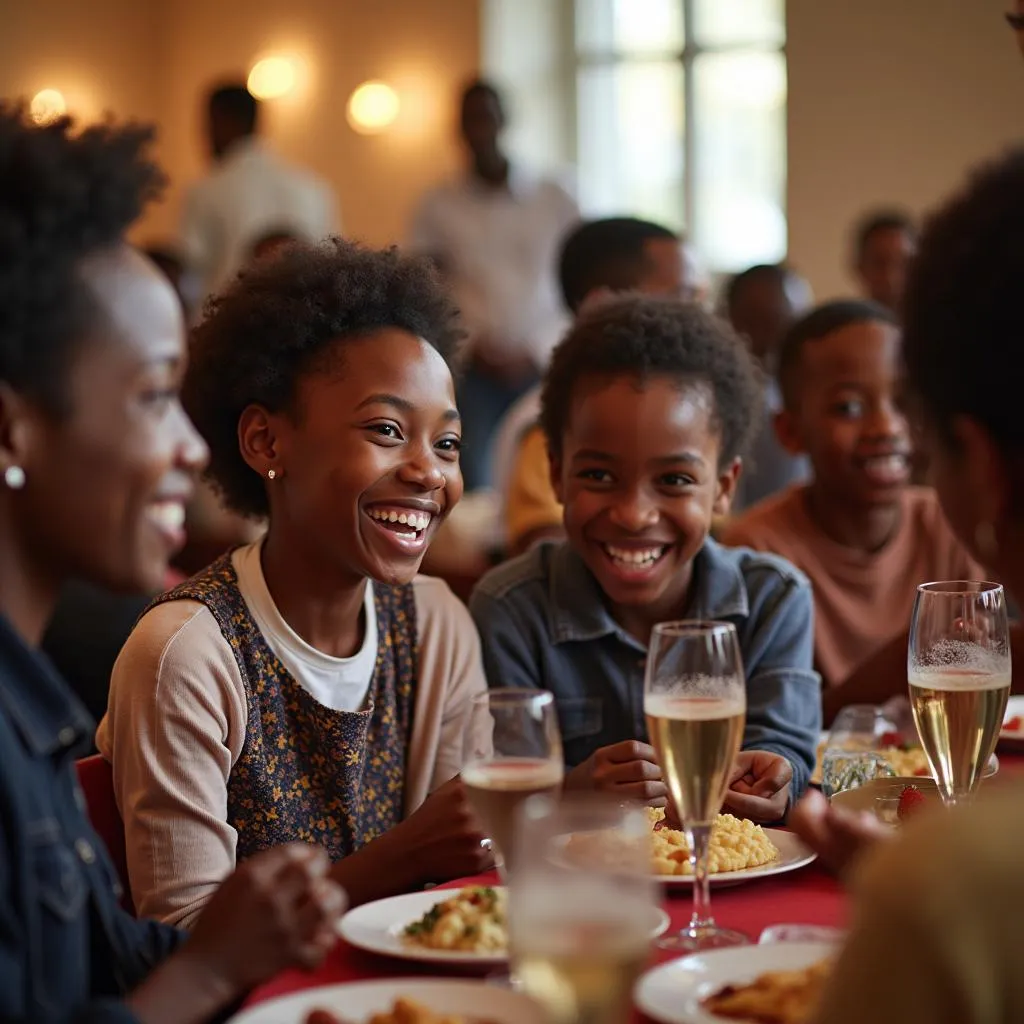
(37, 701)
(578, 611)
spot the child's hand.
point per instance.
(839, 837)
(759, 786)
(628, 770)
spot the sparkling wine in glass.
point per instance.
(514, 752)
(580, 930)
(695, 701)
(958, 669)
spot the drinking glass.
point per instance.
(958, 670)
(580, 924)
(852, 755)
(695, 702)
(513, 749)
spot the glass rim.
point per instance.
(509, 696)
(693, 627)
(959, 588)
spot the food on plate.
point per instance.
(470, 921)
(776, 997)
(405, 1011)
(911, 801)
(735, 844)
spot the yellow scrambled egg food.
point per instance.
(470, 921)
(735, 844)
(407, 1011)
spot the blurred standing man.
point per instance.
(248, 192)
(495, 233)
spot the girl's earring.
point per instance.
(271, 474)
(14, 477)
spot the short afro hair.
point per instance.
(64, 194)
(818, 323)
(281, 320)
(606, 254)
(880, 220)
(963, 313)
(234, 102)
(645, 338)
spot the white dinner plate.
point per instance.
(793, 854)
(377, 927)
(672, 992)
(357, 1001)
(1014, 709)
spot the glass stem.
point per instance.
(699, 837)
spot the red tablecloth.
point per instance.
(806, 896)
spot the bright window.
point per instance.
(681, 117)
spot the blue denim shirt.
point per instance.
(68, 951)
(544, 624)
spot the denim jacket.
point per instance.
(544, 623)
(68, 952)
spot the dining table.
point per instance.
(809, 895)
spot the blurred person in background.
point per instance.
(598, 259)
(494, 232)
(248, 192)
(762, 303)
(884, 242)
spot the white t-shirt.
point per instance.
(340, 684)
(498, 248)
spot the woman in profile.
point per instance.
(97, 459)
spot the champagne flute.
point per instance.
(958, 670)
(695, 701)
(514, 750)
(580, 928)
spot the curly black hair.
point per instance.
(963, 313)
(281, 319)
(646, 337)
(819, 322)
(605, 254)
(63, 195)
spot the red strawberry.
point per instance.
(910, 801)
(1013, 724)
(891, 739)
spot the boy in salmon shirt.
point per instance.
(862, 534)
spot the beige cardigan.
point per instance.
(175, 725)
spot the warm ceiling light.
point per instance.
(372, 107)
(47, 105)
(272, 78)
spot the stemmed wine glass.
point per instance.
(580, 926)
(513, 751)
(958, 670)
(695, 701)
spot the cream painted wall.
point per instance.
(154, 59)
(426, 50)
(98, 54)
(890, 101)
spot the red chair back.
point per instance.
(97, 781)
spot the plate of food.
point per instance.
(892, 801)
(401, 1001)
(739, 851)
(778, 982)
(1011, 736)
(458, 927)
